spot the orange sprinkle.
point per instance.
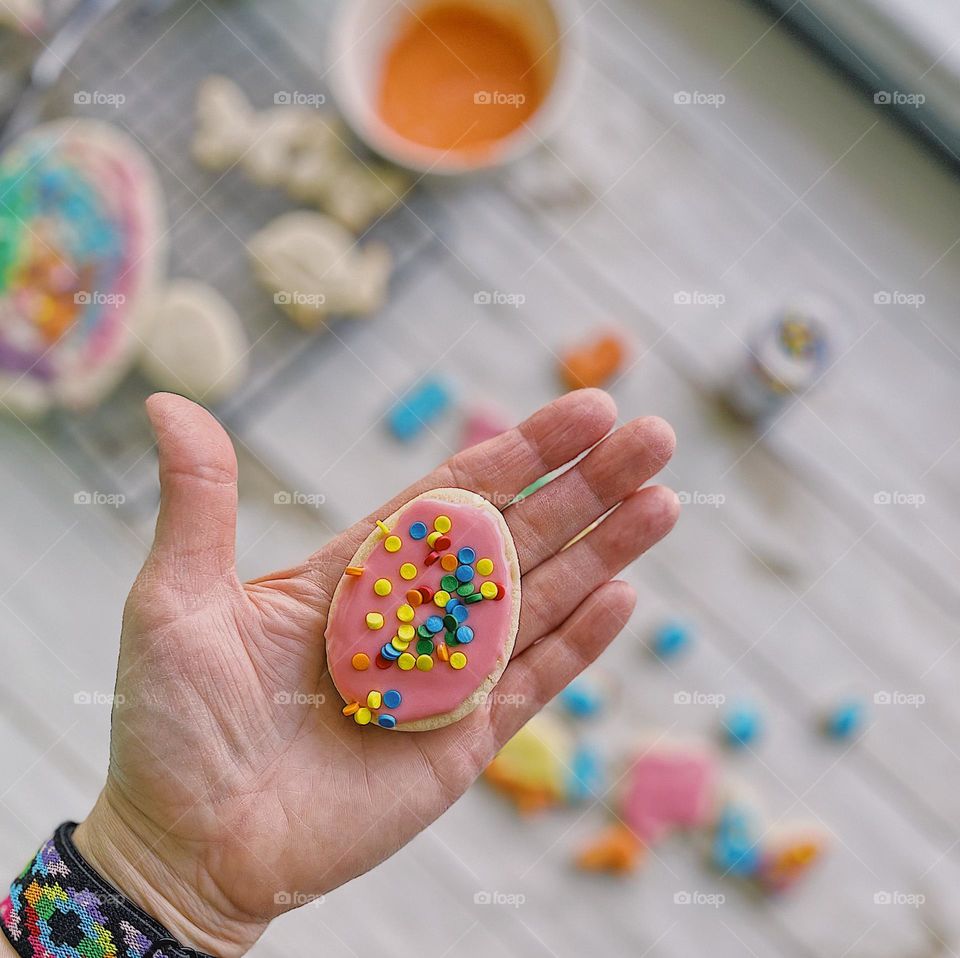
(449, 562)
(414, 598)
(351, 709)
(354, 570)
(442, 652)
(361, 662)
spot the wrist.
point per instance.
(168, 886)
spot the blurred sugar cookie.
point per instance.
(81, 255)
(313, 267)
(195, 344)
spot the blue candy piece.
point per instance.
(418, 531)
(581, 698)
(392, 698)
(466, 555)
(465, 573)
(422, 405)
(451, 605)
(845, 719)
(434, 623)
(742, 725)
(390, 653)
(671, 637)
(465, 634)
(736, 842)
(585, 776)
(460, 612)
(386, 721)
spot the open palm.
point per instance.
(236, 788)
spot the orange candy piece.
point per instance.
(593, 363)
(361, 662)
(414, 598)
(449, 562)
(616, 850)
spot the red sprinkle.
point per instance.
(431, 558)
(501, 592)
(426, 592)
(381, 662)
(442, 544)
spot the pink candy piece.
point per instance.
(668, 789)
(483, 423)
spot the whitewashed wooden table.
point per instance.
(801, 586)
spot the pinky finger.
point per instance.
(543, 670)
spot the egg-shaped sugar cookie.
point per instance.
(424, 619)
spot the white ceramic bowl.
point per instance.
(363, 31)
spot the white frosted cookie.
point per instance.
(424, 619)
(81, 254)
(195, 344)
(314, 267)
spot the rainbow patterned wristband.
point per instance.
(59, 907)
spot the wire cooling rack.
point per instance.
(142, 71)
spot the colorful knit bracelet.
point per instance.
(59, 907)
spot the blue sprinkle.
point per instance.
(465, 634)
(451, 605)
(461, 613)
(582, 698)
(418, 531)
(389, 652)
(466, 555)
(742, 725)
(434, 623)
(845, 719)
(386, 721)
(585, 777)
(670, 638)
(421, 406)
(392, 698)
(465, 573)
(736, 843)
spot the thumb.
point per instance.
(195, 541)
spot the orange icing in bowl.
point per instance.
(459, 79)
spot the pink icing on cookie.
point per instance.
(442, 689)
(667, 789)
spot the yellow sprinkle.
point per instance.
(351, 709)
(374, 699)
(405, 613)
(442, 524)
(374, 620)
(406, 633)
(489, 590)
(458, 660)
(406, 661)
(441, 598)
(484, 567)
(383, 527)
(408, 571)
(363, 716)
(432, 539)
(400, 644)
(424, 662)
(383, 587)
(392, 543)
(354, 570)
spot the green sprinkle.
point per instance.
(449, 583)
(424, 647)
(466, 589)
(475, 597)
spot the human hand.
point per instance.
(221, 794)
